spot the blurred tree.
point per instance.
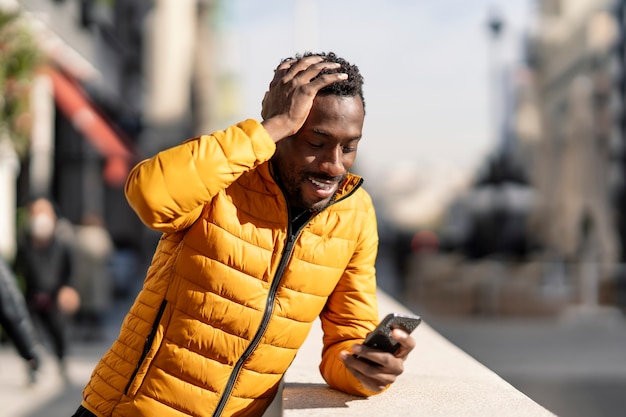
(19, 59)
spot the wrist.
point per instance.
(278, 128)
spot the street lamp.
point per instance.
(495, 25)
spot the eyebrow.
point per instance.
(324, 133)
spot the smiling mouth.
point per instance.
(322, 184)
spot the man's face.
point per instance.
(312, 163)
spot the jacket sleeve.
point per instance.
(169, 190)
(351, 311)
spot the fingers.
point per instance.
(378, 358)
(287, 70)
(407, 343)
(292, 67)
(376, 369)
(374, 377)
(285, 65)
(305, 69)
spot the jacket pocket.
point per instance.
(144, 360)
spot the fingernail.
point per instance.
(399, 334)
(343, 76)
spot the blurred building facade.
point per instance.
(123, 80)
(570, 160)
(543, 227)
(569, 125)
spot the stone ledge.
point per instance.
(439, 380)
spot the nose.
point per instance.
(331, 162)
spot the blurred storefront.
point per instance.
(123, 80)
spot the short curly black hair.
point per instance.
(351, 87)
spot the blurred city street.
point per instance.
(575, 365)
(51, 396)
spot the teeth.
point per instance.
(321, 184)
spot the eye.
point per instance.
(350, 146)
(315, 145)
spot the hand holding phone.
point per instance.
(382, 352)
(381, 338)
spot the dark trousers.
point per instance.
(83, 412)
(53, 322)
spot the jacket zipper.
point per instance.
(148, 344)
(267, 315)
(269, 306)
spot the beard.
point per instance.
(293, 186)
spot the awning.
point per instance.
(75, 104)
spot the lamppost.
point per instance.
(495, 26)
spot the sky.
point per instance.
(427, 67)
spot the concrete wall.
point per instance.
(439, 380)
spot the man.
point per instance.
(264, 229)
(45, 260)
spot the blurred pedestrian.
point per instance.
(92, 277)
(16, 322)
(44, 259)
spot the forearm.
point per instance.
(351, 312)
(345, 326)
(337, 375)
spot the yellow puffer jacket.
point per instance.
(229, 297)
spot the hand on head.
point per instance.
(288, 101)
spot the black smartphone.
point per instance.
(381, 338)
